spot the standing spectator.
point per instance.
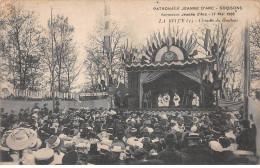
(170, 155)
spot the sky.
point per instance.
(138, 17)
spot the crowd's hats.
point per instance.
(195, 120)
(3, 145)
(146, 140)
(63, 136)
(44, 156)
(70, 158)
(225, 142)
(170, 139)
(112, 112)
(216, 146)
(37, 145)
(36, 110)
(193, 135)
(21, 138)
(215, 130)
(104, 147)
(230, 135)
(150, 130)
(106, 141)
(127, 150)
(35, 116)
(54, 142)
(117, 149)
(194, 128)
(155, 140)
(118, 143)
(164, 117)
(139, 153)
(153, 152)
(133, 130)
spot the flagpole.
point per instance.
(246, 71)
(52, 73)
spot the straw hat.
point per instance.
(44, 156)
(104, 147)
(37, 145)
(21, 138)
(216, 146)
(3, 146)
(54, 142)
(117, 149)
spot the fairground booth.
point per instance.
(170, 76)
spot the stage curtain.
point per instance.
(146, 77)
(194, 74)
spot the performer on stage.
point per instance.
(160, 101)
(166, 99)
(176, 100)
(196, 100)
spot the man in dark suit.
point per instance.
(170, 155)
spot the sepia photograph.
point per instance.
(129, 82)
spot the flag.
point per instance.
(188, 44)
(164, 36)
(156, 41)
(170, 35)
(206, 40)
(107, 28)
(160, 39)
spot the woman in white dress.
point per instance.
(196, 100)
(176, 100)
(160, 101)
(166, 100)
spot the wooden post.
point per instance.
(246, 72)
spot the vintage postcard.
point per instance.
(113, 82)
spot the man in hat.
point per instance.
(246, 139)
(170, 155)
(141, 156)
(70, 158)
(45, 110)
(198, 154)
(55, 143)
(44, 156)
(117, 157)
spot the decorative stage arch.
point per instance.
(165, 54)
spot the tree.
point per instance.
(106, 64)
(61, 32)
(218, 43)
(255, 50)
(20, 47)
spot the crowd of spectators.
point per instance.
(39, 136)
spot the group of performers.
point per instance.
(192, 100)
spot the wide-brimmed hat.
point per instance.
(63, 136)
(44, 156)
(117, 149)
(21, 138)
(54, 142)
(104, 147)
(216, 146)
(37, 145)
(193, 135)
(133, 130)
(3, 146)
